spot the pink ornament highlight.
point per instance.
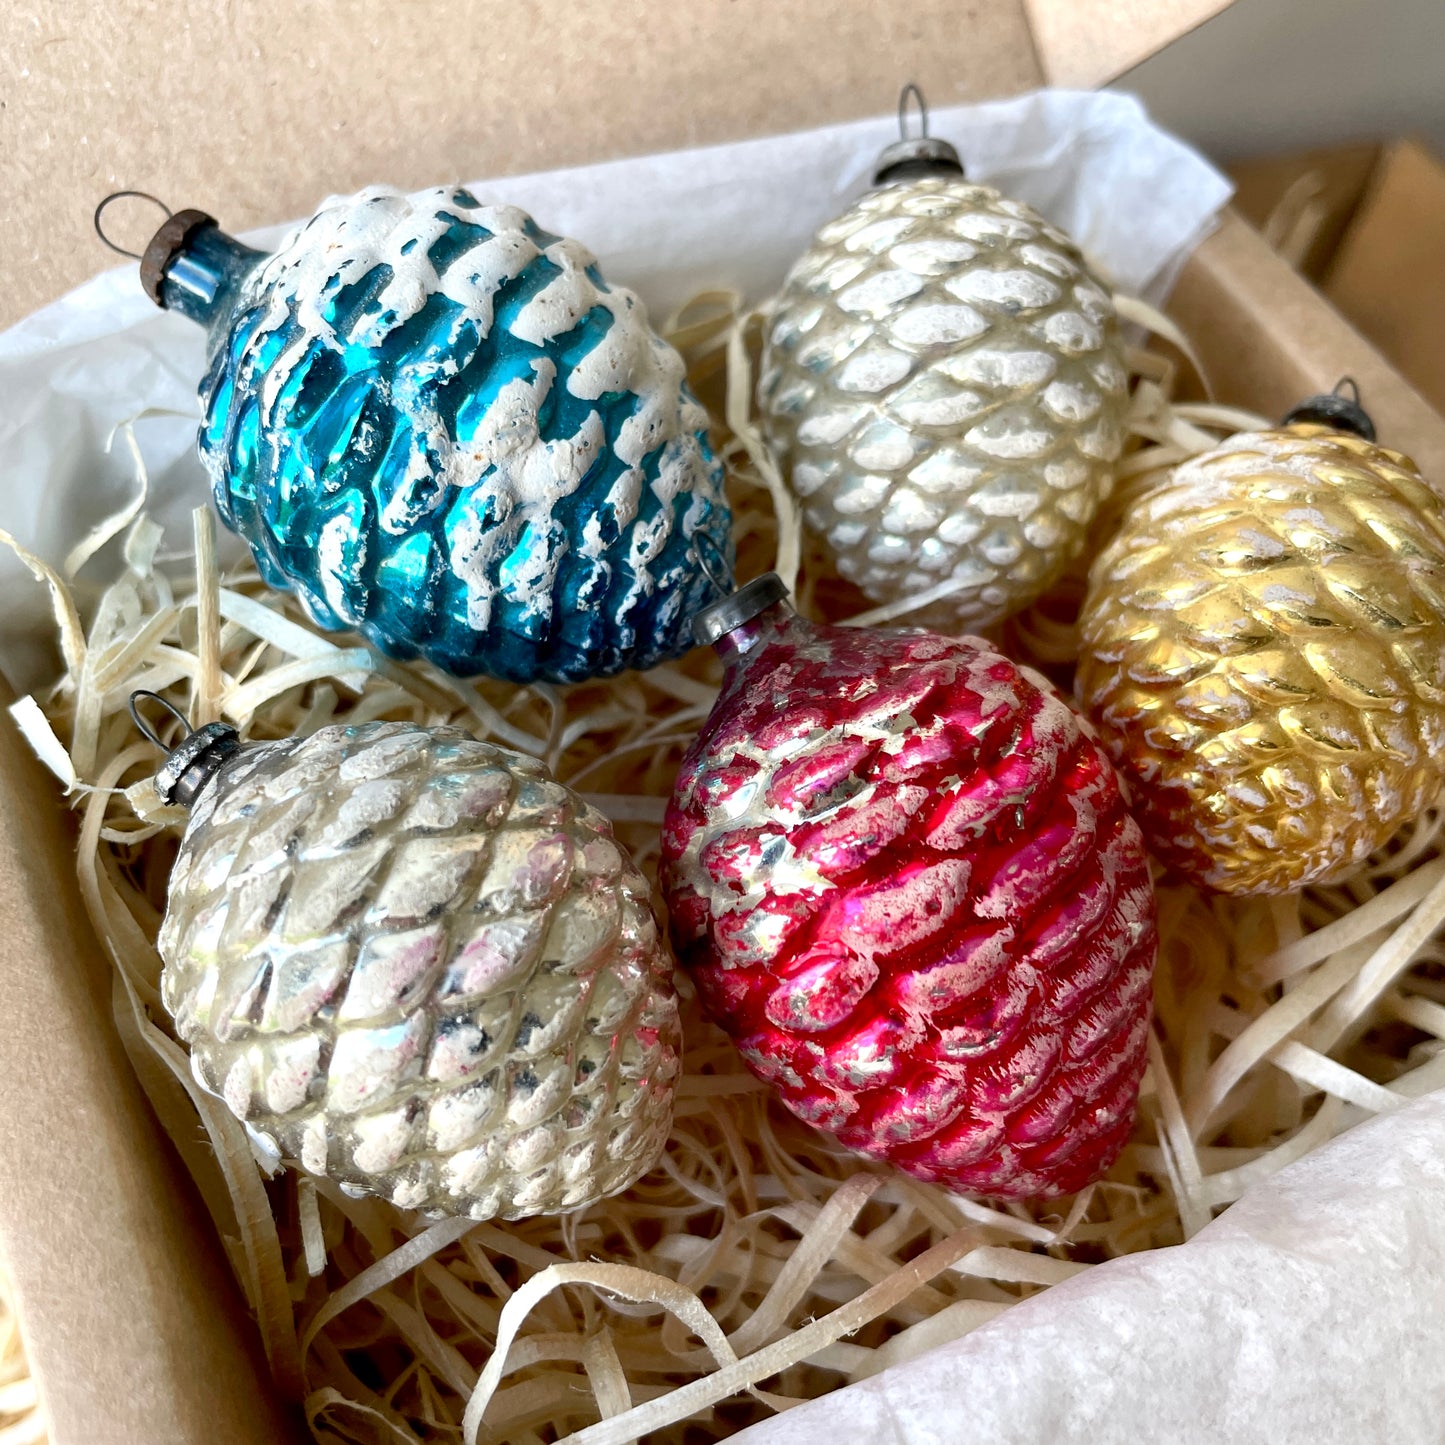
(900, 870)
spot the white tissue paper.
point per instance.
(669, 226)
(1310, 1311)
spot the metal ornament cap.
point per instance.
(1334, 409)
(917, 155)
(719, 618)
(172, 239)
(194, 761)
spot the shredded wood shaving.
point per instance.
(759, 1265)
(22, 1421)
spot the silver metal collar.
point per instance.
(719, 618)
(194, 761)
(918, 155)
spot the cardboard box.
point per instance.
(1366, 224)
(1303, 204)
(1267, 338)
(135, 1330)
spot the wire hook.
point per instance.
(912, 88)
(715, 568)
(116, 196)
(1354, 386)
(143, 727)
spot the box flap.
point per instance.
(1086, 43)
(1386, 274)
(135, 1330)
(256, 112)
(1304, 203)
(1268, 339)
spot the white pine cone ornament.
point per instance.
(1263, 651)
(413, 963)
(943, 382)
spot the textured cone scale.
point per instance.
(902, 875)
(944, 383)
(1264, 653)
(411, 962)
(442, 427)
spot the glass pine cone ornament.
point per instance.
(1264, 652)
(943, 382)
(412, 963)
(901, 874)
(440, 426)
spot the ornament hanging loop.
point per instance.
(915, 91)
(708, 556)
(192, 762)
(912, 157)
(100, 229)
(143, 727)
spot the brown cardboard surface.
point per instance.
(1303, 204)
(256, 111)
(1267, 339)
(1388, 274)
(1083, 44)
(132, 1322)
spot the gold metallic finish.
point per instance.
(1264, 652)
(411, 962)
(944, 384)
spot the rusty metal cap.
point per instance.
(168, 243)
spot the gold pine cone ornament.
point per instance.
(414, 964)
(943, 384)
(1263, 651)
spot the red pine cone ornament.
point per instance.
(900, 870)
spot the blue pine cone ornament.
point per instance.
(443, 428)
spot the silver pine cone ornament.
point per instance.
(943, 381)
(413, 963)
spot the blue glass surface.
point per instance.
(321, 446)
